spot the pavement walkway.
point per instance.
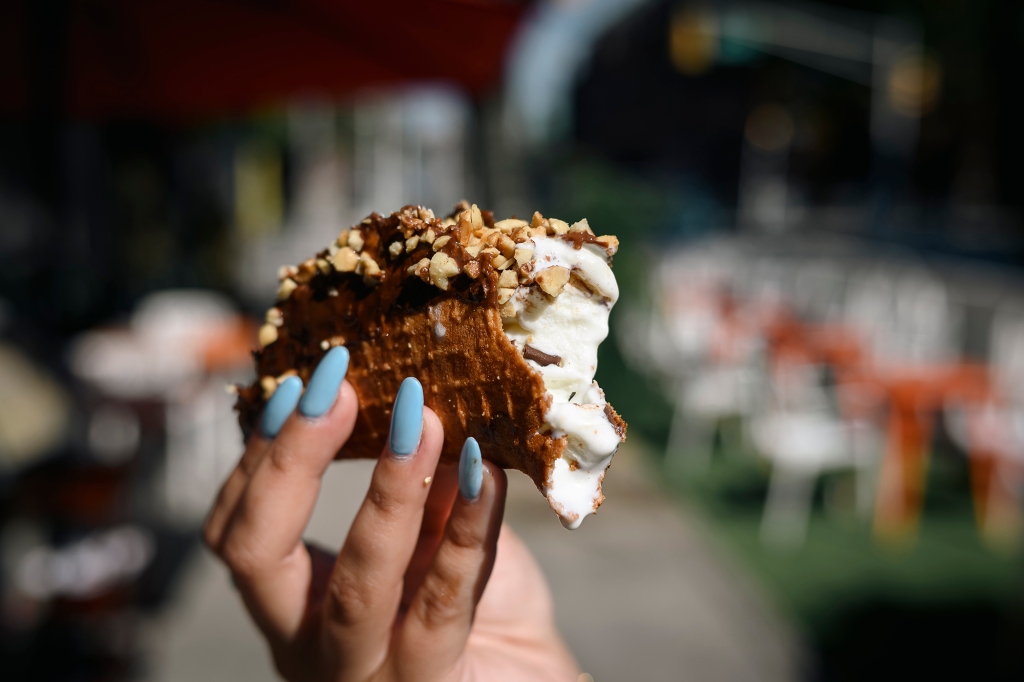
(639, 593)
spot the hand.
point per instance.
(405, 598)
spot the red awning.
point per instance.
(174, 59)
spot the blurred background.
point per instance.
(819, 348)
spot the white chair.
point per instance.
(803, 437)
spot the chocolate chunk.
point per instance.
(540, 357)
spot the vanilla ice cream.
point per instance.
(559, 335)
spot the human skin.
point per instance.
(428, 586)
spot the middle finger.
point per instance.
(366, 586)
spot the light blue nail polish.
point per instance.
(407, 418)
(325, 382)
(471, 470)
(280, 405)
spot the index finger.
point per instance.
(263, 542)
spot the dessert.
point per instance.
(500, 322)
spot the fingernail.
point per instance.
(280, 405)
(325, 382)
(407, 418)
(471, 470)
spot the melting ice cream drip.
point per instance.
(570, 327)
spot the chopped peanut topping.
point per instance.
(609, 242)
(508, 243)
(476, 217)
(345, 260)
(581, 226)
(421, 269)
(508, 279)
(306, 271)
(558, 226)
(506, 246)
(442, 267)
(355, 240)
(368, 265)
(510, 224)
(286, 289)
(268, 335)
(369, 269)
(275, 317)
(552, 280)
(464, 230)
